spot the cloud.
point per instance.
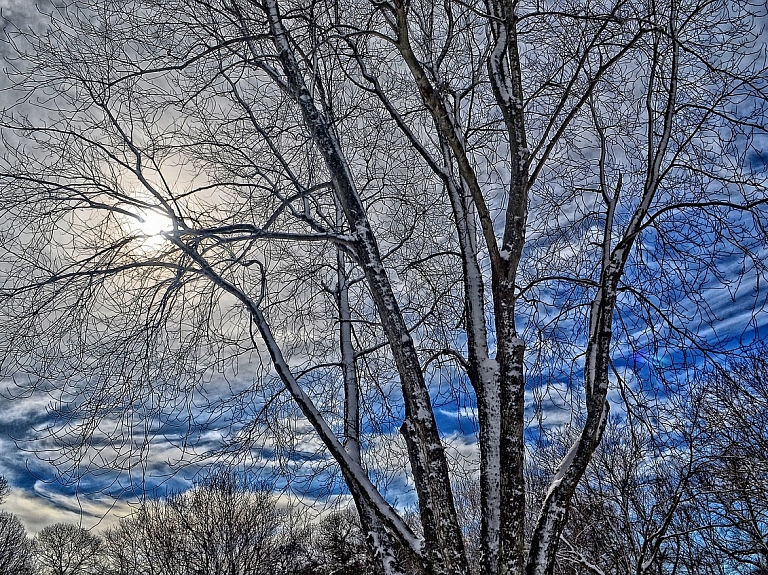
(44, 506)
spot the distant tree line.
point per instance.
(686, 493)
(221, 526)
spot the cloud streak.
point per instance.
(44, 505)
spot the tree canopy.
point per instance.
(298, 233)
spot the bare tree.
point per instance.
(629, 509)
(15, 546)
(339, 545)
(220, 525)
(731, 490)
(384, 199)
(677, 486)
(66, 549)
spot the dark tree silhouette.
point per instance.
(15, 546)
(220, 526)
(66, 549)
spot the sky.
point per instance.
(39, 499)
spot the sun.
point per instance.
(148, 227)
(154, 224)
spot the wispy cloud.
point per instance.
(43, 505)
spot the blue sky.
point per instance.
(39, 498)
